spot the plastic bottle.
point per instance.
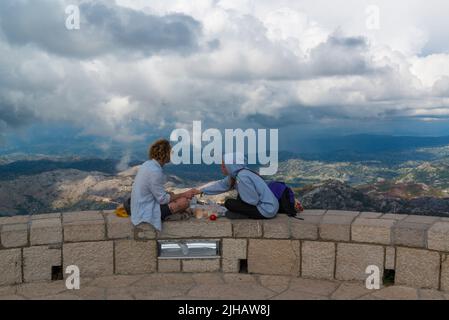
(219, 211)
(193, 203)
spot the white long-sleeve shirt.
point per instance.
(148, 194)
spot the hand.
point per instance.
(189, 194)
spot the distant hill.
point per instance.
(31, 167)
(369, 144)
(388, 150)
(335, 195)
(414, 177)
(67, 190)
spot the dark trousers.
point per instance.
(242, 210)
(165, 211)
(238, 209)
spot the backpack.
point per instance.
(285, 196)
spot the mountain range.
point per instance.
(410, 177)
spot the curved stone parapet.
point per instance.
(325, 245)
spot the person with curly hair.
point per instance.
(150, 202)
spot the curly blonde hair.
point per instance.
(160, 150)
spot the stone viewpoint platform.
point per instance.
(328, 246)
(212, 286)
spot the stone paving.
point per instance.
(208, 286)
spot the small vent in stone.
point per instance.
(56, 273)
(388, 279)
(243, 266)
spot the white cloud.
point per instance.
(431, 68)
(271, 62)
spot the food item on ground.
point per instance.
(207, 211)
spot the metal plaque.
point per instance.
(188, 249)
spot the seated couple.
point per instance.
(150, 203)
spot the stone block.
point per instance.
(221, 228)
(46, 231)
(306, 229)
(201, 265)
(14, 220)
(313, 212)
(233, 251)
(14, 235)
(410, 234)
(445, 273)
(318, 259)
(370, 215)
(230, 265)
(38, 262)
(169, 265)
(144, 231)
(135, 257)
(336, 227)
(277, 228)
(390, 258)
(353, 259)
(46, 216)
(421, 219)
(281, 257)
(394, 216)
(10, 267)
(81, 216)
(92, 258)
(372, 230)
(247, 228)
(83, 226)
(438, 236)
(119, 228)
(234, 248)
(342, 213)
(417, 268)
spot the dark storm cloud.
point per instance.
(340, 56)
(291, 115)
(13, 116)
(243, 68)
(105, 28)
(303, 114)
(337, 56)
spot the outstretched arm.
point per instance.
(214, 188)
(188, 194)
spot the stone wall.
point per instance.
(325, 245)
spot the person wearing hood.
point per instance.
(255, 199)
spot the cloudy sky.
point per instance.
(144, 67)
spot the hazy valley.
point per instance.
(45, 183)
